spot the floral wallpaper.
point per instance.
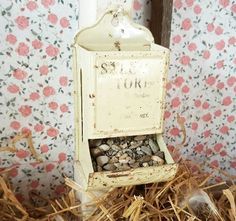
(36, 86)
(36, 90)
(202, 83)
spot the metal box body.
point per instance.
(120, 78)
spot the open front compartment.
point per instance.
(134, 176)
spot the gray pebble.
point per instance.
(95, 152)
(153, 146)
(147, 150)
(102, 160)
(95, 143)
(104, 147)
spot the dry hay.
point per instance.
(185, 198)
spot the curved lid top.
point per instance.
(115, 31)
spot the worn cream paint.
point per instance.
(120, 77)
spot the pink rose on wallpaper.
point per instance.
(224, 130)
(214, 164)
(192, 47)
(210, 27)
(207, 133)
(64, 22)
(185, 60)
(52, 18)
(15, 125)
(43, 70)
(48, 91)
(31, 5)
(52, 51)
(220, 45)
(198, 148)
(47, 3)
(34, 96)
(38, 127)
(52, 132)
(218, 147)
(19, 197)
(233, 8)
(194, 126)
(232, 40)
(175, 102)
(19, 74)
(13, 88)
(60, 189)
(11, 39)
(25, 110)
(220, 85)
(233, 164)
(231, 81)
(44, 148)
(49, 167)
(230, 118)
(217, 113)
(137, 5)
(64, 108)
(22, 22)
(37, 44)
(176, 39)
(211, 80)
(167, 114)
(178, 4)
(22, 154)
(168, 86)
(25, 130)
(189, 2)
(197, 103)
(185, 89)
(174, 131)
(53, 105)
(197, 9)
(206, 117)
(63, 81)
(186, 24)
(227, 101)
(22, 49)
(13, 172)
(34, 184)
(220, 64)
(224, 3)
(206, 54)
(62, 157)
(219, 30)
(205, 105)
(179, 81)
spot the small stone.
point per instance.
(95, 152)
(139, 152)
(144, 159)
(115, 147)
(95, 143)
(102, 160)
(136, 144)
(109, 167)
(145, 164)
(109, 142)
(146, 150)
(124, 166)
(158, 160)
(134, 165)
(160, 154)
(114, 160)
(99, 169)
(125, 145)
(138, 138)
(150, 163)
(104, 147)
(132, 161)
(123, 161)
(153, 146)
(123, 156)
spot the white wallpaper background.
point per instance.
(36, 86)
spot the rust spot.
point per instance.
(117, 45)
(117, 175)
(94, 125)
(95, 66)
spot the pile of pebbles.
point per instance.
(125, 153)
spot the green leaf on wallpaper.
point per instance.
(33, 32)
(9, 7)
(1, 53)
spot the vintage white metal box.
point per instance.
(120, 77)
